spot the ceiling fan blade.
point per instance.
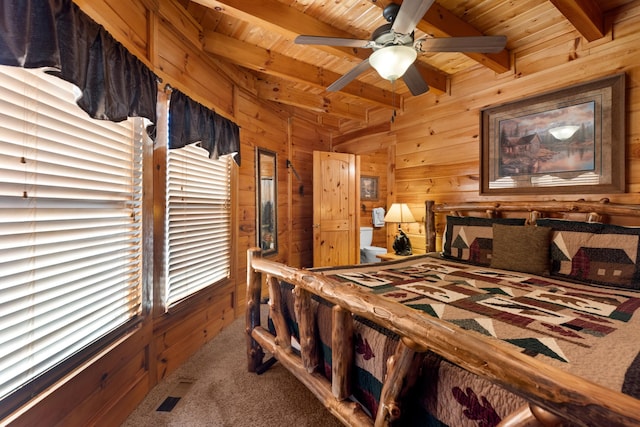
(485, 44)
(410, 13)
(349, 76)
(333, 41)
(414, 81)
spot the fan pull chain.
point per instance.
(393, 100)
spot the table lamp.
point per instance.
(399, 213)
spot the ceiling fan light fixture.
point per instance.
(392, 62)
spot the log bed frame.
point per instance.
(553, 395)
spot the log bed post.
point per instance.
(430, 227)
(307, 329)
(255, 354)
(401, 375)
(341, 353)
(283, 336)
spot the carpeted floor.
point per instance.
(215, 389)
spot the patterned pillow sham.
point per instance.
(597, 253)
(470, 239)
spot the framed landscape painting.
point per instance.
(567, 141)
(369, 188)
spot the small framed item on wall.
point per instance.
(567, 141)
(368, 188)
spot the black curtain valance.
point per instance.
(115, 84)
(190, 121)
(57, 34)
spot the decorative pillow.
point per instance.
(521, 248)
(604, 254)
(471, 238)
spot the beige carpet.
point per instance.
(217, 390)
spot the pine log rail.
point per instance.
(552, 394)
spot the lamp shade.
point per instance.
(392, 62)
(399, 212)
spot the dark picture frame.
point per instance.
(368, 188)
(267, 201)
(566, 141)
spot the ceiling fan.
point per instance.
(395, 50)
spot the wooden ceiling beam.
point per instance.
(381, 128)
(263, 60)
(585, 15)
(363, 141)
(259, 88)
(328, 123)
(274, 91)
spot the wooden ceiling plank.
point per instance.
(256, 58)
(585, 15)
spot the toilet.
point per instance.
(367, 252)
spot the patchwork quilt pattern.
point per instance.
(471, 239)
(600, 253)
(590, 331)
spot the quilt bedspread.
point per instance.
(590, 331)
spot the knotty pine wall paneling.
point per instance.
(435, 145)
(260, 127)
(438, 137)
(306, 137)
(165, 38)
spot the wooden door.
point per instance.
(336, 237)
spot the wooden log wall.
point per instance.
(167, 40)
(260, 127)
(438, 137)
(434, 144)
(430, 152)
(305, 139)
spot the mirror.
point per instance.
(267, 203)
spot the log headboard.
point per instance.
(590, 211)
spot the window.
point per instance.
(198, 222)
(70, 231)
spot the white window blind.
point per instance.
(70, 227)
(198, 226)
